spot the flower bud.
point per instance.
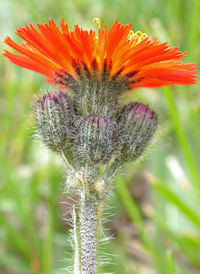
(138, 124)
(54, 113)
(96, 139)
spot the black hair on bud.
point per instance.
(54, 116)
(96, 139)
(138, 123)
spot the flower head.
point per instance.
(55, 51)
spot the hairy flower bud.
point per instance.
(54, 113)
(96, 139)
(138, 124)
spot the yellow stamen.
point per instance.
(138, 36)
(97, 20)
(96, 40)
(130, 34)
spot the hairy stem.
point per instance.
(88, 233)
(77, 266)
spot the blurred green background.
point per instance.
(156, 203)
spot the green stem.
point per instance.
(77, 269)
(86, 235)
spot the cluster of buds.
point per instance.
(90, 130)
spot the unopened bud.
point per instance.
(54, 113)
(138, 124)
(96, 139)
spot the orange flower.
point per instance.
(145, 61)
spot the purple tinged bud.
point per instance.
(138, 124)
(54, 114)
(83, 172)
(96, 139)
